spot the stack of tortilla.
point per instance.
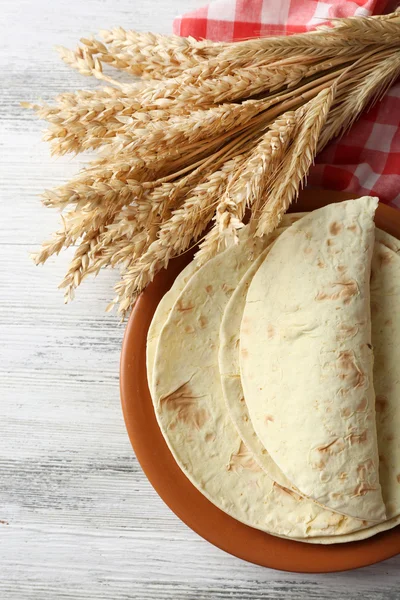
(274, 375)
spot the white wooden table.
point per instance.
(78, 518)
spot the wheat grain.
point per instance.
(247, 187)
(294, 167)
(176, 234)
(159, 56)
(83, 61)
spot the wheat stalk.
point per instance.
(247, 187)
(295, 165)
(159, 56)
(370, 89)
(175, 236)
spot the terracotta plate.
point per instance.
(177, 491)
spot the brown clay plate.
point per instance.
(179, 493)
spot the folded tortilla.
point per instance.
(385, 308)
(289, 515)
(161, 315)
(306, 358)
(192, 414)
(385, 301)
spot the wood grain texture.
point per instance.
(78, 518)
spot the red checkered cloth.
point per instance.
(367, 159)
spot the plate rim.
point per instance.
(176, 490)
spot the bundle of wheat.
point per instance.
(211, 129)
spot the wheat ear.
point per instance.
(295, 166)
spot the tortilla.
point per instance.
(283, 508)
(306, 358)
(168, 300)
(161, 314)
(385, 308)
(228, 356)
(228, 359)
(192, 415)
(385, 301)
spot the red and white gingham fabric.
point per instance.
(367, 159)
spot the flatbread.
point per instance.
(228, 359)
(228, 356)
(192, 415)
(306, 358)
(168, 300)
(385, 308)
(282, 502)
(161, 315)
(385, 302)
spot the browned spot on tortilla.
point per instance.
(346, 331)
(286, 490)
(209, 289)
(269, 419)
(209, 437)
(241, 399)
(227, 288)
(186, 406)
(337, 495)
(352, 228)
(329, 242)
(189, 329)
(390, 437)
(308, 250)
(244, 352)
(384, 257)
(349, 371)
(398, 478)
(335, 228)
(340, 290)
(270, 331)
(320, 264)
(381, 403)
(334, 447)
(361, 407)
(357, 438)
(181, 308)
(172, 426)
(364, 522)
(345, 412)
(203, 321)
(375, 308)
(388, 322)
(319, 465)
(242, 459)
(363, 488)
(362, 472)
(341, 268)
(381, 458)
(343, 475)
